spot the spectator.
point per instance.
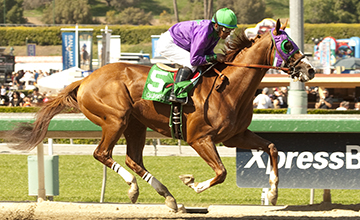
(344, 105)
(3, 90)
(282, 99)
(276, 104)
(36, 97)
(36, 75)
(16, 81)
(311, 93)
(325, 101)
(285, 92)
(27, 102)
(262, 101)
(10, 95)
(357, 106)
(16, 100)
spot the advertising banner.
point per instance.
(305, 160)
(31, 49)
(85, 47)
(68, 50)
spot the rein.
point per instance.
(287, 70)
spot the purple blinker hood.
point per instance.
(281, 56)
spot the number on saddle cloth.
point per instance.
(159, 83)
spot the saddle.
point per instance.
(166, 67)
(158, 87)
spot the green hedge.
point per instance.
(16, 36)
(338, 31)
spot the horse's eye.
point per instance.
(286, 46)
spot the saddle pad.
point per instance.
(159, 83)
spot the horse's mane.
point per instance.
(236, 44)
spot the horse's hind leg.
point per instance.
(135, 135)
(112, 128)
(249, 140)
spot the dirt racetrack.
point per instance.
(81, 211)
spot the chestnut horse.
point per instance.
(111, 98)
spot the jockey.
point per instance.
(191, 44)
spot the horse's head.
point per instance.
(287, 54)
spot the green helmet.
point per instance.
(225, 17)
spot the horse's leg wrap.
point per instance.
(162, 190)
(274, 177)
(130, 179)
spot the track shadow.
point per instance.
(324, 206)
(247, 218)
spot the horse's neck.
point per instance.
(245, 81)
(257, 54)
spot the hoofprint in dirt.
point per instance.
(79, 211)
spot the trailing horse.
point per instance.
(111, 98)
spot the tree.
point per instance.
(68, 12)
(15, 15)
(193, 10)
(318, 11)
(111, 17)
(33, 4)
(135, 16)
(176, 11)
(122, 4)
(332, 11)
(14, 12)
(208, 9)
(247, 12)
(345, 11)
(225, 4)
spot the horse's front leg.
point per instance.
(207, 151)
(249, 140)
(274, 175)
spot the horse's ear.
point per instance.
(284, 25)
(277, 27)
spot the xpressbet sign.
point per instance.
(331, 169)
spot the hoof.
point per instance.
(272, 196)
(171, 203)
(187, 179)
(133, 192)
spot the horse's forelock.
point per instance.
(236, 44)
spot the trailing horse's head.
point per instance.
(287, 54)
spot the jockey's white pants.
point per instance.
(168, 49)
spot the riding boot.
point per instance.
(182, 74)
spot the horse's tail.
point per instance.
(27, 136)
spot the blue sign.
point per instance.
(68, 50)
(31, 49)
(154, 41)
(311, 160)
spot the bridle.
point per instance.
(289, 69)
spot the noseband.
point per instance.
(292, 70)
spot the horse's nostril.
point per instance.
(311, 73)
